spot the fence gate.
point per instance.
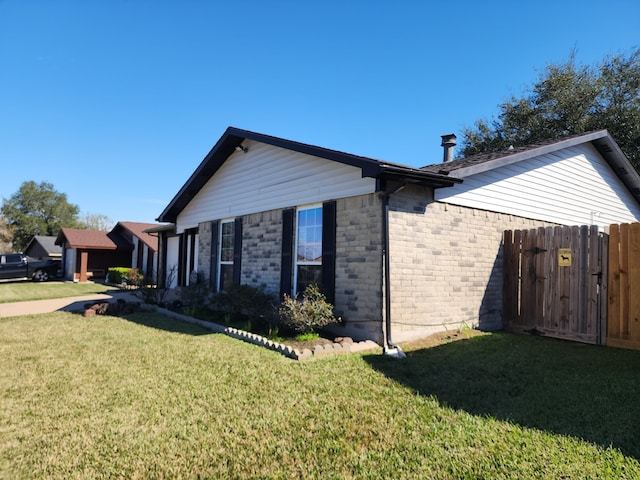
(555, 282)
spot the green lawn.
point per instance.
(26, 290)
(151, 398)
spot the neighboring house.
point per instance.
(90, 253)
(401, 252)
(145, 245)
(166, 254)
(43, 248)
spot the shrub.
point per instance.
(133, 277)
(244, 299)
(154, 293)
(114, 274)
(308, 313)
(125, 276)
(197, 292)
(247, 301)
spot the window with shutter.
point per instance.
(225, 254)
(308, 247)
(310, 234)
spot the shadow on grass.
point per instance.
(167, 324)
(560, 387)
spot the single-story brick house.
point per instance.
(401, 251)
(90, 253)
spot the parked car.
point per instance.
(17, 266)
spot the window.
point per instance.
(225, 255)
(308, 252)
(308, 248)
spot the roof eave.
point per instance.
(166, 227)
(223, 148)
(534, 152)
(618, 161)
(412, 175)
(93, 247)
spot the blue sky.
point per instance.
(116, 102)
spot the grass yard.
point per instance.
(147, 397)
(26, 290)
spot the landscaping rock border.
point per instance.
(119, 307)
(345, 345)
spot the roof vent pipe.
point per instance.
(448, 142)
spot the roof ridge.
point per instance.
(483, 157)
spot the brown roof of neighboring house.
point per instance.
(92, 239)
(138, 229)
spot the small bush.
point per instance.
(114, 274)
(254, 303)
(306, 314)
(244, 299)
(197, 292)
(134, 277)
(155, 293)
(127, 276)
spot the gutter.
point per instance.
(389, 348)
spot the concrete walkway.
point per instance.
(60, 304)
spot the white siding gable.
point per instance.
(572, 186)
(267, 178)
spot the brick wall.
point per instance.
(204, 249)
(358, 260)
(261, 250)
(446, 264)
(359, 265)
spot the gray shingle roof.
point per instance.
(48, 244)
(480, 158)
(601, 140)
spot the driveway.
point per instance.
(60, 304)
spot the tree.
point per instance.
(568, 99)
(96, 221)
(5, 236)
(37, 209)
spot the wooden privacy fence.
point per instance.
(574, 283)
(555, 282)
(623, 324)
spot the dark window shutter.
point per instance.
(329, 250)
(237, 250)
(213, 269)
(161, 274)
(192, 232)
(286, 266)
(182, 262)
